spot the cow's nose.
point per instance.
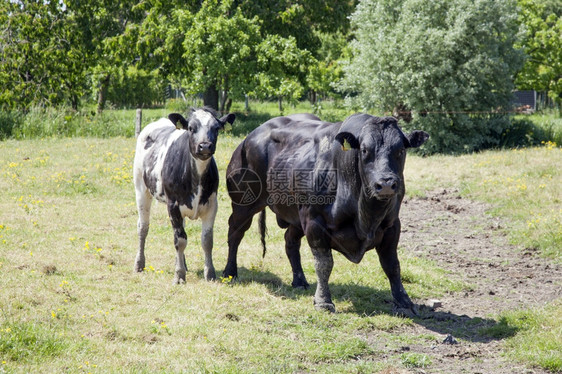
(205, 148)
(386, 187)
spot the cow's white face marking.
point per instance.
(324, 145)
(207, 121)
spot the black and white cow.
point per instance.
(174, 163)
(339, 184)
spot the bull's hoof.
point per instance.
(210, 274)
(407, 312)
(228, 273)
(300, 284)
(325, 307)
(178, 280)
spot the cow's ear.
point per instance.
(178, 120)
(416, 138)
(229, 118)
(347, 140)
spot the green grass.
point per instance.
(72, 302)
(539, 335)
(67, 247)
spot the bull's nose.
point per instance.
(206, 148)
(386, 187)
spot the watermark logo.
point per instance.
(245, 187)
(284, 186)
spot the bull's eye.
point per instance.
(190, 129)
(364, 151)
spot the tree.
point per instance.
(542, 42)
(41, 59)
(448, 63)
(217, 47)
(109, 32)
(208, 47)
(280, 64)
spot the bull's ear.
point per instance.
(347, 140)
(178, 120)
(228, 119)
(416, 138)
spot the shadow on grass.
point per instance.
(368, 302)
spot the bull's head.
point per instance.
(380, 146)
(203, 127)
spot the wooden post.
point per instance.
(138, 122)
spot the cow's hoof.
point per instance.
(179, 281)
(139, 265)
(407, 312)
(325, 307)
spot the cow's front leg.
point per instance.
(144, 201)
(208, 221)
(180, 242)
(388, 257)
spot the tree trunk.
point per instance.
(224, 99)
(102, 95)
(313, 97)
(280, 102)
(211, 97)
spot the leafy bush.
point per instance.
(8, 120)
(460, 133)
(448, 57)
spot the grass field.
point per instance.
(70, 301)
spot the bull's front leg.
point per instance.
(208, 221)
(319, 241)
(323, 264)
(293, 237)
(388, 257)
(180, 242)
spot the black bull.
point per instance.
(338, 184)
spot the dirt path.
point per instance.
(459, 235)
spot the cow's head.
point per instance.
(203, 127)
(380, 146)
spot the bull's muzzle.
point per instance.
(386, 188)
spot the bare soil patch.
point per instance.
(461, 237)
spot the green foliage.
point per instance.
(136, 88)
(460, 133)
(280, 64)
(8, 120)
(445, 58)
(542, 42)
(41, 55)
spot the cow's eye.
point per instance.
(190, 128)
